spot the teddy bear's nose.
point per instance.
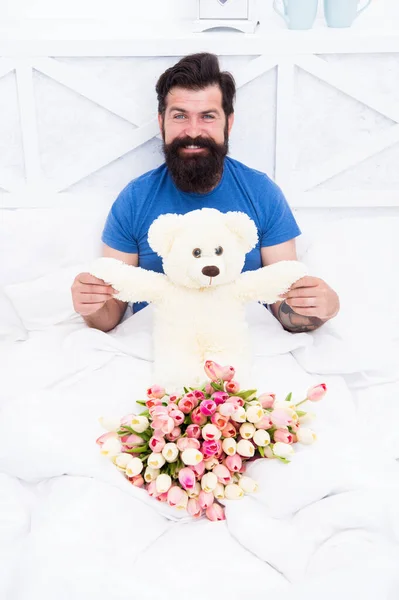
(211, 271)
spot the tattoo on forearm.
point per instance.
(295, 323)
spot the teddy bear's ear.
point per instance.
(162, 232)
(244, 228)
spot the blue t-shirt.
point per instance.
(154, 193)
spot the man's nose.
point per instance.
(193, 128)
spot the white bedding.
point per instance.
(71, 527)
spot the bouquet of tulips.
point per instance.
(191, 450)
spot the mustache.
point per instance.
(199, 141)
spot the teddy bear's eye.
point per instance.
(218, 250)
(197, 252)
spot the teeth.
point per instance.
(196, 147)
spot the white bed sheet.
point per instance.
(69, 522)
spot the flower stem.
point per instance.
(301, 402)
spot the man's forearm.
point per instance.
(293, 322)
(107, 317)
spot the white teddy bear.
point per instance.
(199, 302)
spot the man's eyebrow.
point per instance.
(203, 112)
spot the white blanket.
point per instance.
(73, 528)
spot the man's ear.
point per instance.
(162, 233)
(230, 122)
(244, 228)
(160, 123)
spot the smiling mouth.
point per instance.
(192, 148)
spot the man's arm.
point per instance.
(309, 303)
(93, 298)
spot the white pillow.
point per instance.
(47, 300)
(11, 327)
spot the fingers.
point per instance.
(89, 309)
(302, 302)
(94, 298)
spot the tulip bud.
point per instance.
(111, 447)
(210, 463)
(306, 435)
(248, 485)
(134, 467)
(232, 387)
(151, 474)
(219, 397)
(215, 512)
(266, 400)
(195, 491)
(205, 499)
(187, 478)
(239, 415)
(222, 473)
(317, 392)
(156, 460)
(233, 463)
(282, 417)
(156, 391)
(191, 456)
(247, 431)
(209, 482)
(208, 407)
(193, 431)
(232, 491)
(163, 483)
(254, 414)
(110, 423)
(193, 508)
(245, 448)
(229, 446)
(218, 492)
(139, 423)
(261, 437)
(283, 435)
(156, 443)
(122, 460)
(170, 452)
(210, 432)
(283, 450)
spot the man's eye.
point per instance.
(218, 250)
(197, 252)
(179, 117)
(209, 117)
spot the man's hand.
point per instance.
(312, 297)
(89, 294)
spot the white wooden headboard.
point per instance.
(318, 111)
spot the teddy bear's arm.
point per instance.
(265, 284)
(134, 284)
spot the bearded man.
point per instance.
(196, 115)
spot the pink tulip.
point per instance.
(229, 431)
(264, 423)
(199, 469)
(236, 401)
(208, 407)
(187, 478)
(210, 447)
(233, 463)
(174, 434)
(280, 417)
(159, 410)
(127, 419)
(186, 405)
(228, 373)
(209, 389)
(232, 387)
(283, 435)
(175, 495)
(222, 473)
(220, 397)
(227, 409)
(109, 435)
(162, 497)
(133, 440)
(267, 400)
(153, 402)
(156, 443)
(193, 431)
(152, 490)
(176, 414)
(173, 399)
(213, 370)
(183, 443)
(219, 420)
(317, 392)
(197, 417)
(205, 499)
(164, 423)
(193, 508)
(215, 512)
(199, 394)
(137, 481)
(156, 391)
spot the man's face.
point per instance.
(195, 132)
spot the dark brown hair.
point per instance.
(196, 72)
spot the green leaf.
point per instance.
(217, 386)
(284, 460)
(261, 451)
(301, 413)
(138, 449)
(246, 394)
(288, 398)
(141, 402)
(186, 390)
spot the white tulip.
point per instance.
(283, 450)
(245, 448)
(170, 452)
(261, 437)
(139, 423)
(229, 446)
(110, 423)
(268, 452)
(239, 416)
(209, 482)
(211, 462)
(182, 505)
(232, 491)
(156, 460)
(195, 491)
(163, 483)
(248, 484)
(284, 404)
(254, 403)
(247, 430)
(254, 414)
(218, 492)
(191, 457)
(306, 435)
(151, 474)
(122, 460)
(111, 447)
(307, 418)
(211, 432)
(134, 467)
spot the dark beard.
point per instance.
(198, 173)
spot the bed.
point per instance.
(71, 527)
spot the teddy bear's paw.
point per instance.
(277, 278)
(106, 269)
